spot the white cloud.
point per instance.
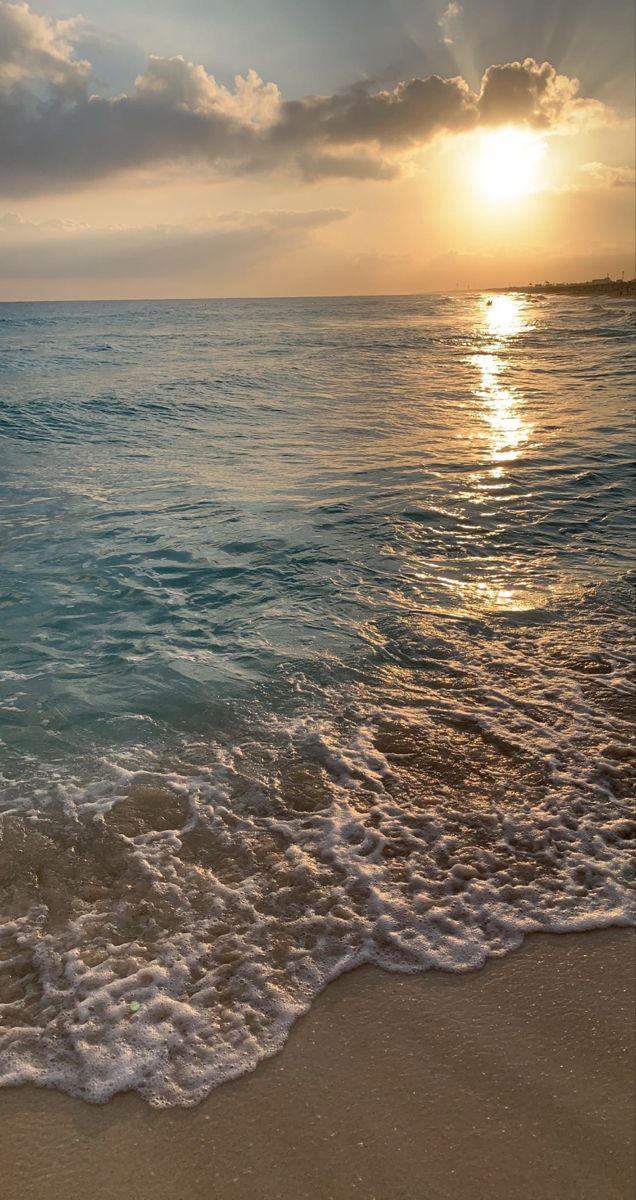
(176, 83)
(448, 22)
(603, 175)
(33, 47)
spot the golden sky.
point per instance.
(395, 147)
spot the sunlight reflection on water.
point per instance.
(504, 408)
(503, 411)
(503, 432)
(505, 315)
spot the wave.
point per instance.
(169, 922)
(317, 650)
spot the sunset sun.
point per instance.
(508, 164)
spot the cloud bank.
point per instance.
(58, 250)
(55, 133)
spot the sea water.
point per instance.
(315, 639)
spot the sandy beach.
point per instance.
(514, 1081)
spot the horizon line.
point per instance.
(520, 287)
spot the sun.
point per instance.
(507, 165)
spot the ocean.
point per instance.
(316, 649)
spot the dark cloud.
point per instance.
(350, 166)
(408, 114)
(54, 133)
(531, 93)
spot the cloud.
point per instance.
(55, 134)
(56, 250)
(536, 95)
(175, 83)
(32, 46)
(448, 21)
(15, 221)
(601, 175)
(314, 167)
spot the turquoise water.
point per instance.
(314, 649)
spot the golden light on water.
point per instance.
(502, 410)
(508, 164)
(494, 596)
(504, 315)
(502, 407)
(495, 435)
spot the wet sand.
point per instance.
(515, 1082)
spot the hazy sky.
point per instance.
(255, 147)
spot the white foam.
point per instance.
(183, 954)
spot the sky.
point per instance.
(168, 148)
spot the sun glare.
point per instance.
(508, 164)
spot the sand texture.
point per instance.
(516, 1081)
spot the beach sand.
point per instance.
(515, 1082)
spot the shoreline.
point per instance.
(515, 1079)
(614, 290)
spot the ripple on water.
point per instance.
(317, 650)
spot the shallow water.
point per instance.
(315, 649)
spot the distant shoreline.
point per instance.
(596, 287)
(613, 288)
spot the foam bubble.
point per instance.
(166, 926)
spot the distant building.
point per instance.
(605, 279)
